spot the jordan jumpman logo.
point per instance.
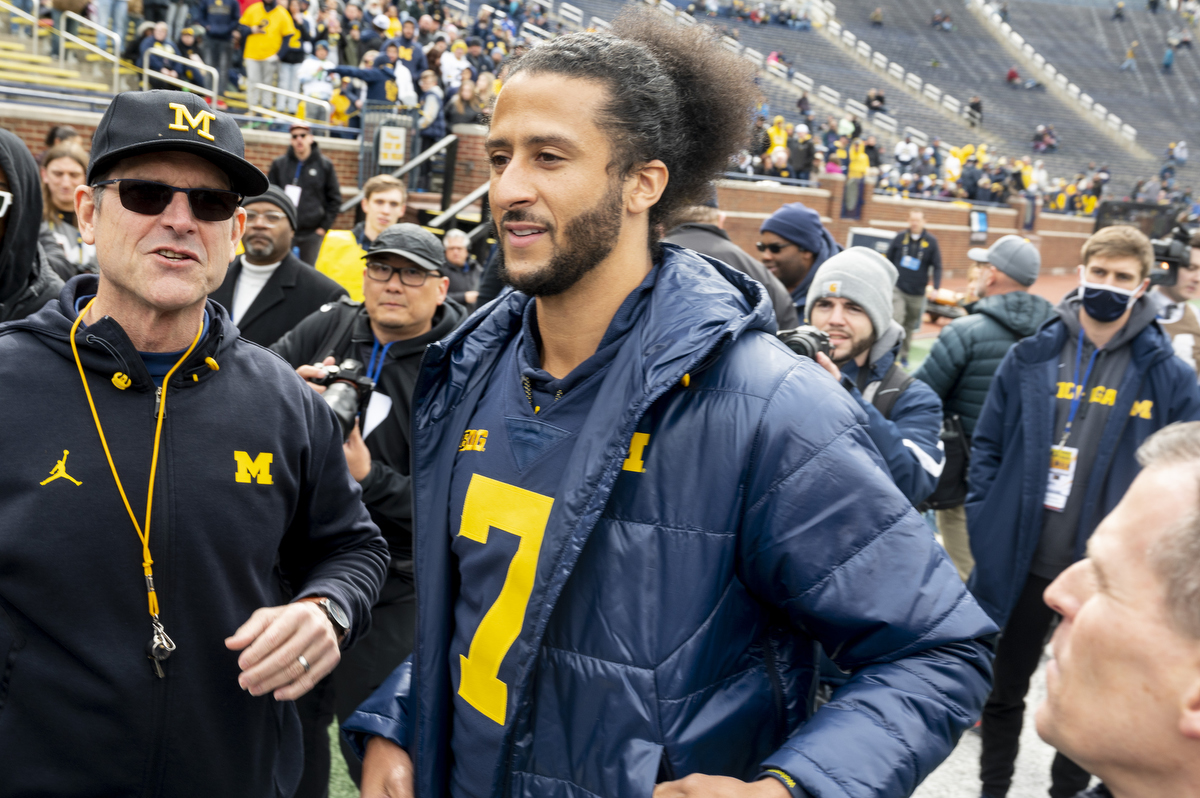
(60, 470)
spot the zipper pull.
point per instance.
(157, 400)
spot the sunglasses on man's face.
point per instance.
(150, 198)
(774, 249)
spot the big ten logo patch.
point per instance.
(253, 470)
(473, 440)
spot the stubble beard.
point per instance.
(582, 244)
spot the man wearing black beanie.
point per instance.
(268, 290)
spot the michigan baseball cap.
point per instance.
(141, 122)
(409, 241)
(1013, 255)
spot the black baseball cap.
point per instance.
(409, 241)
(140, 122)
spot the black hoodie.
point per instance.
(251, 491)
(26, 280)
(341, 330)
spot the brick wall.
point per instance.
(745, 204)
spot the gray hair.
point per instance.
(1175, 556)
(456, 236)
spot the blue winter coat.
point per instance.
(1010, 452)
(910, 440)
(675, 629)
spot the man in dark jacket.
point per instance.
(219, 18)
(700, 228)
(461, 269)
(166, 649)
(800, 156)
(404, 310)
(850, 299)
(629, 545)
(311, 183)
(1053, 452)
(794, 244)
(409, 52)
(969, 350)
(26, 279)
(267, 289)
(915, 254)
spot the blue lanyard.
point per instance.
(1079, 389)
(375, 369)
(296, 177)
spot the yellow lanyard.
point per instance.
(159, 642)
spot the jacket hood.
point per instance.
(1019, 311)
(1144, 313)
(698, 306)
(887, 344)
(18, 249)
(105, 349)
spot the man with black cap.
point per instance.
(309, 180)
(409, 52)
(794, 244)
(268, 290)
(150, 648)
(27, 280)
(965, 356)
(404, 309)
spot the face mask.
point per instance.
(1105, 303)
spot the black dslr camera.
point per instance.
(346, 389)
(807, 341)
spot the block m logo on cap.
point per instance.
(198, 123)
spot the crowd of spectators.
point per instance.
(350, 54)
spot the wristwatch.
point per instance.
(337, 617)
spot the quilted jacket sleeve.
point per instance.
(988, 439)
(829, 540)
(910, 441)
(383, 714)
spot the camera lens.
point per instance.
(342, 397)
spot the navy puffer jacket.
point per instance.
(675, 627)
(965, 356)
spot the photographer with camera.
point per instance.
(850, 301)
(1178, 319)
(404, 309)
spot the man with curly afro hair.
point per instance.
(637, 514)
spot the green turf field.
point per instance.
(340, 785)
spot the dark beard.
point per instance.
(585, 240)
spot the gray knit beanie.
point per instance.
(861, 275)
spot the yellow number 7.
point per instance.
(523, 513)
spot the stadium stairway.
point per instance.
(827, 64)
(1089, 47)
(970, 60)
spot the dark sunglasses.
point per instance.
(411, 276)
(150, 199)
(774, 249)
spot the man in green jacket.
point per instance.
(969, 350)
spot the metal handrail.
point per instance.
(57, 97)
(298, 96)
(33, 21)
(112, 35)
(425, 155)
(453, 210)
(105, 54)
(271, 112)
(205, 68)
